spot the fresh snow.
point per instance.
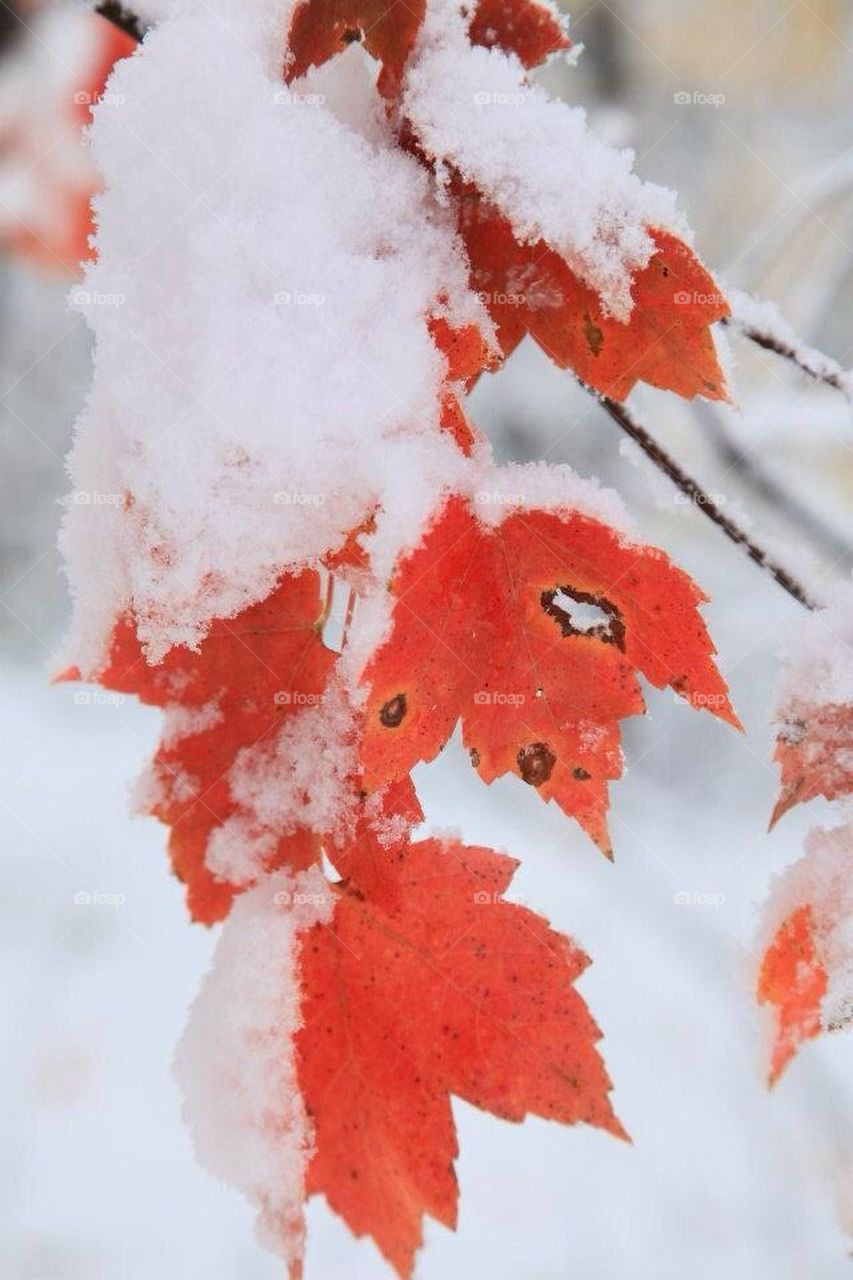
(236, 1063)
(535, 157)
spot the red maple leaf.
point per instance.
(487, 627)
(388, 29)
(250, 673)
(814, 750)
(793, 980)
(528, 288)
(426, 984)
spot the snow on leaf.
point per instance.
(426, 984)
(806, 971)
(814, 751)
(258, 671)
(493, 626)
(529, 288)
(323, 28)
(236, 1063)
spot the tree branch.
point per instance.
(697, 495)
(762, 324)
(123, 18)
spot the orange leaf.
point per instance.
(529, 289)
(529, 30)
(249, 674)
(815, 752)
(794, 981)
(488, 627)
(322, 28)
(426, 984)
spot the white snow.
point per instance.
(821, 880)
(235, 1061)
(305, 778)
(818, 656)
(534, 157)
(268, 379)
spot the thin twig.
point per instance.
(697, 495)
(762, 484)
(123, 18)
(769, 342)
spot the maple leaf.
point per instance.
(793, 980)
(488, 627)
(388, 29)
(249, 675)
(467, 354)
(529, 30)
(814, 750)
(428, 984)
(529, 288)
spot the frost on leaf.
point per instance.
(490, 626)
(427, 984)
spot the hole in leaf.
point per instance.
(578, 613)
(536, 763)
(392, 713)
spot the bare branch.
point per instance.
(762, 324)
(703, 501)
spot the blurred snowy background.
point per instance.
(724, 1182)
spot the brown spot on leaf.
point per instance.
(393, 712)
(593, 335)
(581, 774)
(475, 757)
(536, 763)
